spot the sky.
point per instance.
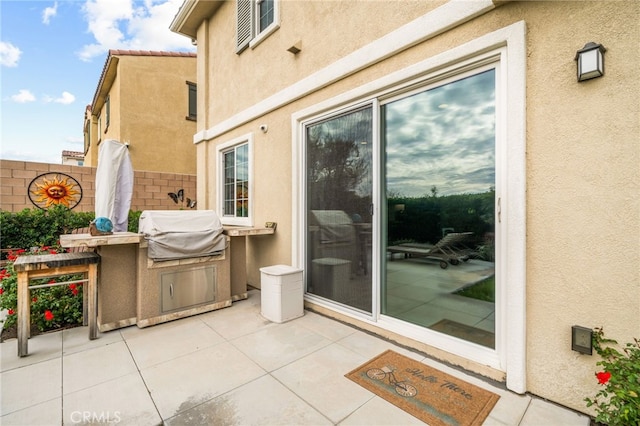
(51, 57)
(443, 137)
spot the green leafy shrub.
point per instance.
(134, 218)
(36, 227)
(618, 402)
(51, 307)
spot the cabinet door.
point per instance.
(187, 288)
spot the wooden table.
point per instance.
(53, 265)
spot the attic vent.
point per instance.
(244, 24)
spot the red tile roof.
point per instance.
(74, 154)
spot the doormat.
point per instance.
(466, 332)
(432, 396)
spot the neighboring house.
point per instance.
(73, 158)
(360, 127)
(146, 99)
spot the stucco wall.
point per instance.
(583, 198)
(582, 174)
(150, 189)
(149, 105)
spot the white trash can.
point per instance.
(281, 292)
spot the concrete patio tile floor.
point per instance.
(226, 367)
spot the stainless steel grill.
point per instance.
(183, 265)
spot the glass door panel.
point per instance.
(339, 203)
(439, 266)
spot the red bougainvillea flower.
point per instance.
(603, 377)
(35, 299)
(74, 289)
(1, 290)
(48, 315)
(11, 312)
(52, 281)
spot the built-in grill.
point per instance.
(183, 265)
(180, 234)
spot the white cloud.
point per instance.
(9, 54)
(129, 25)
(66, 98)
(49, 12)
(23, 97)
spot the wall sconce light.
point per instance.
(590, 61)
(581, 339)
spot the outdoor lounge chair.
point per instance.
(451, 249)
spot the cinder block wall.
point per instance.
(150, 189)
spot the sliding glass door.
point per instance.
(339, 208)
(435, 251)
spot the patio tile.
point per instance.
(43, 414)
(369, 346)
(377, 411)
(263, 401)
(326, 327)
(184, 382)
(123, 400)
(430, 313)
(319, 379)
(463, 304)
(236, 322)
(133, 331)
(397, 305)
(77, 339)
(94, 366)
(543, 413)
(509, 409)
(42, 347)
(415, 292)
(31, 385)
(274, 347)
(167, 341)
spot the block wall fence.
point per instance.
(150, 189)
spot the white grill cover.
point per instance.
(178, 234)
(114, 183)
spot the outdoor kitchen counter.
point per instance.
(239, 236)
(117, 278)
(87, 240)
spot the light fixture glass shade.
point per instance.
(590, 61)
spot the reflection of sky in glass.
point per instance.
(443, 137)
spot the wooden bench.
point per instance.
(53, 265)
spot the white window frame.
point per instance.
(220, 151)
(507, 46)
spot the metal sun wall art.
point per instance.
(51, 189)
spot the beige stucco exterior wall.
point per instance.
(582, 173)
(149, 103)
